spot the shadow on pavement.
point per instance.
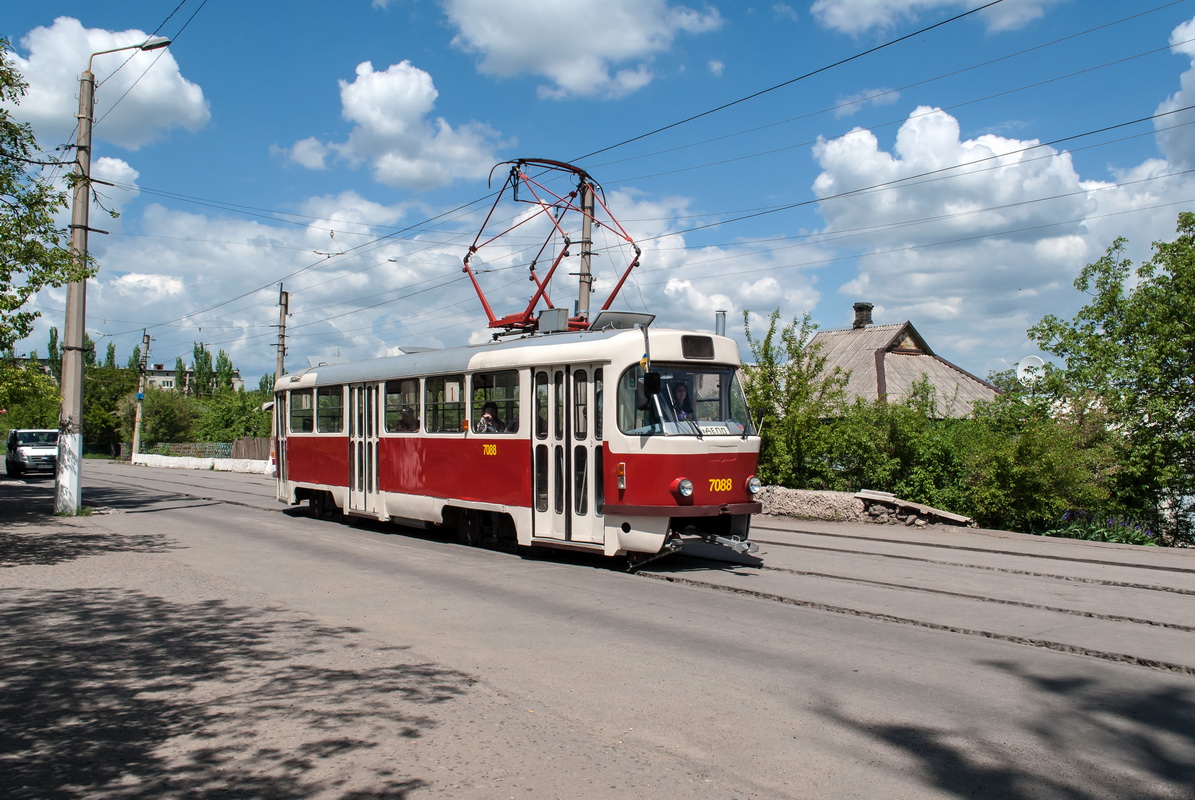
(1113, 744)
(30, 534)
(110, 693)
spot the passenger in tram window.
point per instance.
(489, 421)
(681, 402)
(408, 421)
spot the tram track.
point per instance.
(879, 616)
(954, 547)
(889, 608)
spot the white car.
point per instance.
(31, 451)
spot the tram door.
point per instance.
(567, 454)
(363, 447)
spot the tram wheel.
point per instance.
(468, 528)
(323, 506)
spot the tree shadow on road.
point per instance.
(1091, 740)
(113, 694)
(32, 535)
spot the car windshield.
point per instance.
(38, 437)
(692, 401)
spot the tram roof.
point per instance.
(554, 348)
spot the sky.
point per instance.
(955, 169)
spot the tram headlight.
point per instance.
(753, 485)
(682, 487)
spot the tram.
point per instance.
(608, 436)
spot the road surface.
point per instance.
(194, 638)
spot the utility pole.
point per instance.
(143, 368)
(585, 280)
(280, 360)
(70, 415)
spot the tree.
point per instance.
(790, 392)
(135, 358)
(28, 397)
(166, 416)
(1130, 353)
(265, 385)
(181, 384)
(104, 389)
(223, 372)
(202, 372)
(110, 356)
(229, 415)
(54, 355)
(34, 251)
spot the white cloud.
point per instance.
(160, 101)
(960, 252)
(784, 11)
(717, 68)
(585, 48)
(851, 104)
(310, 153)
(859, 16)
(1178, 143)
(394, 133)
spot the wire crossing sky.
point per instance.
(954, 162)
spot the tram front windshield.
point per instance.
(692, 401)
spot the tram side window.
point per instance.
(329, 404)
(444, 404)
(541, 405)
(302, 417)
(580, 404)
(402, 406)
(499, 390)
(597, 404)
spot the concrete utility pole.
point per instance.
(67, 475)
(70, 414)
(280, 360)
(143, 368)
(585, 279)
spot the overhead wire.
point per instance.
(627, 141)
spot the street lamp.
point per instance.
(70, 416)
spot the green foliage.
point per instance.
(1098, 528)
(1014, 464)
(110, 356)
(202, 373)
(1130, 352)
(223, 372)
(104, 388)
(54, 355)
(229, 415)
(28, 396)
(34, 250)
(166, 416)
(265, 385)
(789, 392)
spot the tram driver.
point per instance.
(681, 403)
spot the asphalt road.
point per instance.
(193, 638)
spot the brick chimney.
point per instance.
(863, 314)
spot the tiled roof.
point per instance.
(886, 360)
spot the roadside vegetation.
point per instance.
(209, 409)
(1102, 447)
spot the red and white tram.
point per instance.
(573, 439)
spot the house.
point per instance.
(884, 361)
(163, 377)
